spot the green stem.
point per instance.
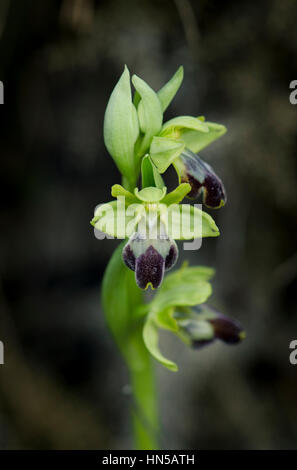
(144, 410)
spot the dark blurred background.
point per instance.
(63, 384)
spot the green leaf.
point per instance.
(197, 141)
(186, 222)
(121, 127)
(117, 220)
(176, 126)
(150, 175)
(149, 113)
(151, 340)
(164, 151)
(177, 195)
(151, 194)
(169, 90)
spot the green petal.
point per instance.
(149, 113)
(150, 194)
(118, 190)
(121, 127)
(116, 220)
(149, 174)
(197, 141)
(164, 151)
(151, 340)
(176, 126)
(186, 222)
(169, 90)
(177, 195)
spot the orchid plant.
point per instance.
(149, 219)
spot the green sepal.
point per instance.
(151, 340)
(121, 127)
(177, 126)
(165, 320)
(164, 151)
(186, 222)
(150, 114)
(169, 90)
(197, 141)
(184, 294)
(117, 220)
(186, 275)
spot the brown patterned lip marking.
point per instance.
(150, 268)
(152, 259)
(222, 327)
(203, 179)
(227, 329)
(214, 193)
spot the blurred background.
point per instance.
(63, 384)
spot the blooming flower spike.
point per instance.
(150, 220)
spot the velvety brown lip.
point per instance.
(202, 178)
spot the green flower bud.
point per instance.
(121, 128)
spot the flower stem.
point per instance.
(144, 410)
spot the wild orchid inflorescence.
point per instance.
(150, 219)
